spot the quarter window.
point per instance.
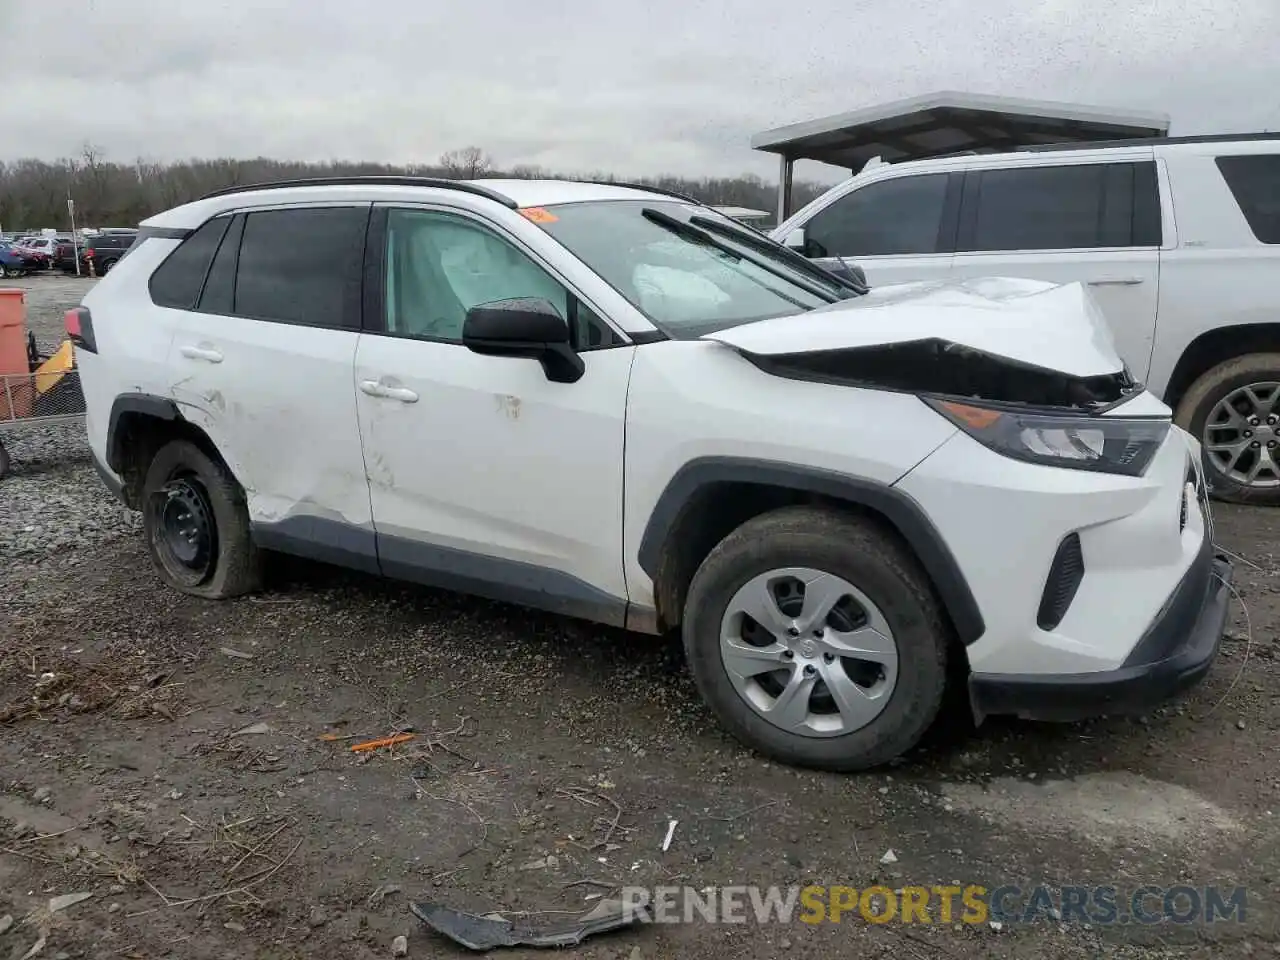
(177, 281)
(1254, 181)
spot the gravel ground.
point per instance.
(168, 757)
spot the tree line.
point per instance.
(34, 193)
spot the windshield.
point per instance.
(687, 279)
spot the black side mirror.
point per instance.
(524, 327)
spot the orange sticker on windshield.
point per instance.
(538, 215)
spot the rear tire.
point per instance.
(1227, 410)
(877, 578)
(197, 524)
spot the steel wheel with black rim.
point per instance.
(187, 539)
(197, 525)
(816, 639)
(1234, 410)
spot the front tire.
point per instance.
(816, 639)
(197, 524)
(1234, 411)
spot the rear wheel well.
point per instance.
(1217, 346)
(717, 509)
(135, 440)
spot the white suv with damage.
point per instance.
(1178, 239)
(618, 404)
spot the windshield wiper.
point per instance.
(772, 247)
(687, 230)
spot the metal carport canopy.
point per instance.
(944, 123)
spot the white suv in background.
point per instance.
(617, 403)
(1178, 239)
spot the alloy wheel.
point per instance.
(1242, 435)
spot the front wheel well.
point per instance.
(715, 509)
(1217, 346)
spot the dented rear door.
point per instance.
(264, 367)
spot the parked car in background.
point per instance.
(65, 254)
(104, 250)
(845, 499)
(12, 263)
(41, 250)
(1178, 239)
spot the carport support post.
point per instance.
(786, 167)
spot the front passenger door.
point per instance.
(484, 475)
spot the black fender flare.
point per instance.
(148, 404)
(898, 508)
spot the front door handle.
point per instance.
(202, 353)
(375, 388)
(1116, 282)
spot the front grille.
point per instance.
(1065, 574)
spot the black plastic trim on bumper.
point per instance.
(1175, 653)
(112, 482)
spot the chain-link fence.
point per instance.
(32, 399)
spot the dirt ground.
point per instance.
(168, 756)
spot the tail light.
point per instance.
(79, 324)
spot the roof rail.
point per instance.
(643, 186)
(373, 180)
(1146, 142)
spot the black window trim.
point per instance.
(948, 225)
(236, 220)
(374, 318)
(968, 212)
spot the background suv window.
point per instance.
(1255, 183)
(439, 266)
(1078, 206)
(302, 266)
(900, 216)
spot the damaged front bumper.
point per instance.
(1175, 653)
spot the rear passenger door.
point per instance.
(263, 361)
(897, 229)
(1095, 223)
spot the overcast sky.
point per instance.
(629, 87)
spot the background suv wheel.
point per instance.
(817, 640)
(196, 524)
(1234, 411)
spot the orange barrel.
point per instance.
(15, 387)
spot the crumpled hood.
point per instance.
(1032, 322)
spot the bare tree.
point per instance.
(467, 163)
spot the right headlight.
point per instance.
(1102, 444)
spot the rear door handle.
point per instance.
(376, 389)
(1116, 282)
(202, 353)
